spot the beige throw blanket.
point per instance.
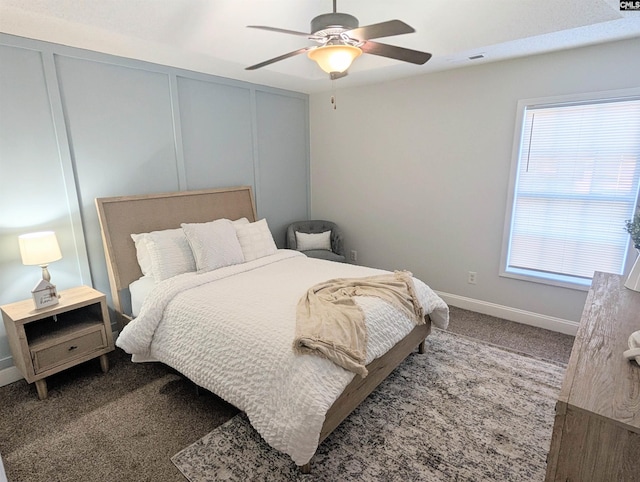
(331, 324)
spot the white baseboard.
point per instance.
(9, 375)
(512, 314)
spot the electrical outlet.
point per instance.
(353, 256)
(471, 278)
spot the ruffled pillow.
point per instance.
(164, 254)
(256, 240)
(214, 244)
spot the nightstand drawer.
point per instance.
(46, 357)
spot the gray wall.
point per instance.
(76, 125)
(417, 171)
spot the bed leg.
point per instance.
(198, 391)
(306, 468)
(421, 347)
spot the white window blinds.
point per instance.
(577, 182)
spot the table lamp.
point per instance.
(41, 249)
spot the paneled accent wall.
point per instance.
(76, 125)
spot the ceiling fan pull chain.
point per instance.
(334, 102)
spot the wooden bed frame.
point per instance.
(121, 216)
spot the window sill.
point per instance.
(578, 284)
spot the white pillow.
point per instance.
(240, 222)
(214, 244)
(256, 240)
(309, 241)
(167, 253)
(142, 253)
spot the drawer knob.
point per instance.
(72, 347)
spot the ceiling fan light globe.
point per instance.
(334, 58)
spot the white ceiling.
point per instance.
(211, 36)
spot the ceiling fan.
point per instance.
(341, 40)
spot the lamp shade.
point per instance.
(39, 248)
(334, 58)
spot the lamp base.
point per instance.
(45, 272)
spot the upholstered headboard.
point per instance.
(124, 215)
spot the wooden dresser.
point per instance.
(596, 434)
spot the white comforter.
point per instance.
(231, 331)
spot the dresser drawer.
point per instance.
(67, 349)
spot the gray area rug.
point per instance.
(463, 411)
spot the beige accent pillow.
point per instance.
(309, 241)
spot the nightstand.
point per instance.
(52, 339)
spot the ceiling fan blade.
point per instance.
(280, 30)
(378, 30)
(393, 52)
(338, 75)
(281, 57)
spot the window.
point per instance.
(575, 180)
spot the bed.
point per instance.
(236, 339)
